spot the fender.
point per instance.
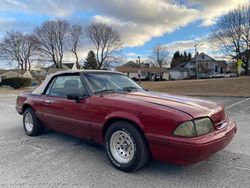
(98, 129)
(124, 115)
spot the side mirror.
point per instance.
(73, 96)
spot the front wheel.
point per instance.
(126, 147)
(31, 124)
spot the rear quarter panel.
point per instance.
(27, 99)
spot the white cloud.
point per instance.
(137, 21)
(211, 10)
(132, 55)
(204, 44)
(142, 20)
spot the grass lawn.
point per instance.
(238, 86)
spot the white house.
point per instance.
(180, 72)
(207, 67)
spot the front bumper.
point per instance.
(191, 150)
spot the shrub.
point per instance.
(17, 82)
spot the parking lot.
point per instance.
(57, 160)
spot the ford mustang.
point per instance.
(134, 124)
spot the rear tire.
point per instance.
(31, 124)
(126, 147)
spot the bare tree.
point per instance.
(19, 47)
(75, 37)
(159, 56)
(232, 32)
(51, 37)
(106, 41)
(245, 9)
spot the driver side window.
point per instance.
(64, 85)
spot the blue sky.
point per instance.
(177, 25)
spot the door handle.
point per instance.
(47, 101)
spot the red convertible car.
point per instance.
(134, 124)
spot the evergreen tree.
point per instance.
(189, 56)
(91, 62)
(177, 55)
(177, 59)
(185, 57)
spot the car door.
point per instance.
(64, 115)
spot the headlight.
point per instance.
(186, 129)
(194, 128)
(203, 126)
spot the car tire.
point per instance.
(126, 147)
(31, 124)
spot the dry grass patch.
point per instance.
(8, 90)
(238, 86)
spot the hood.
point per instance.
(192, 106)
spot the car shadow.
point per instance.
(153, 167)
(84, 149)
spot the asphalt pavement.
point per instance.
(58, 160)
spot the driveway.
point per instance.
(57, 160)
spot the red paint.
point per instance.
(156, 114)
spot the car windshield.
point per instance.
(111, 82)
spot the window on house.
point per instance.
(216, 68)
(203, 57)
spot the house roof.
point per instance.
(132, 67)
(64, 67)
(130, 64)
(3, 71)
(203, 54)
(12, 70)
(38, 73)
(181, 67)
(143, 69)
(215, 61)
(222, 62)
(27, 74)
(10, 73)
(69, 65)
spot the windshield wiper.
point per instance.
(107, 91)
(130, 88)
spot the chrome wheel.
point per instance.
(28, 122)
(122, 147)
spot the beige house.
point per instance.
(14, 73)
(27, 74)
(148, 71)
(9, 74)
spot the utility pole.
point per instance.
(18, 66)
(196, 61)
(139, 69)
